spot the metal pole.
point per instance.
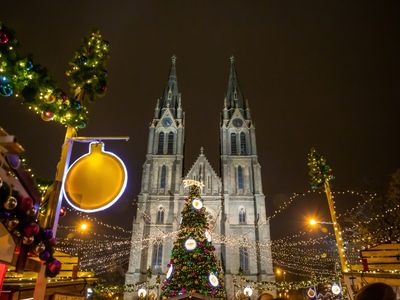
(53, 208)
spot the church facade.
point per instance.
(234, 198)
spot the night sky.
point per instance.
(316, 73)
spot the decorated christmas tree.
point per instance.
(193, 268)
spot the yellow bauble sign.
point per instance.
(96, 180)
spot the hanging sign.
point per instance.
(95, 181)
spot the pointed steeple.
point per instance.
(171, 93)
(234, 95)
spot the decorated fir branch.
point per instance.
(22, 78)
(19, 215)
(319, 171)
(193, 267)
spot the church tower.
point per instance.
(161, 183)
(244, 201)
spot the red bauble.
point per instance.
(53, 241)
(32, 229)
(3, 38)
(63, 211)
(26, 204)
(47, 116)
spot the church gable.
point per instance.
(202, 171)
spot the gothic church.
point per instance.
(234, 199)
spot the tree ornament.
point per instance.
(6, 89)
(45, 255)
(29, 65)
(190, 244)
(26, 204)
(213, 280)
(10, 203)
(53, 268)
(49, 99)
(11, 224)
(47, 116)
(208, 236)
(32, 229)
(31, 212)
(27, 240)
(39, 248)
(197, 203)
(76, 105)
(169, 273)
(142, 293)
(3, 38)
(248, 291)
(52, 241)
(48, 233)
(63, 211)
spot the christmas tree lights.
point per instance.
(193, 267)
(22, 78)
(319, 171)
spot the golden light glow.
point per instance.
(312, 222)
(83, 226)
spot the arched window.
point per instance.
(240, 178)
(244, 259)
(160, 216)
(233, 144)
(163, 176)
(243, 144)
(160, 143)
(170, 144)
(156, 261)
(242, 216)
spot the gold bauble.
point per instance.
(96, 180)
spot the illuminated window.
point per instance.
(244, 259)
(233, 144)
(160, 143)
(160, 216)
(243, 144)
(240, 178)
(156, 261)
(170, 149)
(163, 176)
(242, 216)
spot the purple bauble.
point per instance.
(32, 229)
(54, 267)
(48, 233)
(45, 255)
(26, 204)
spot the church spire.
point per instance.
(234, 95)
(171, 93)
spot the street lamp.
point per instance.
(83, 226)
(314, 222)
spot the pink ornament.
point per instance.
(53, 241)
(32, 229)
(3, 38)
